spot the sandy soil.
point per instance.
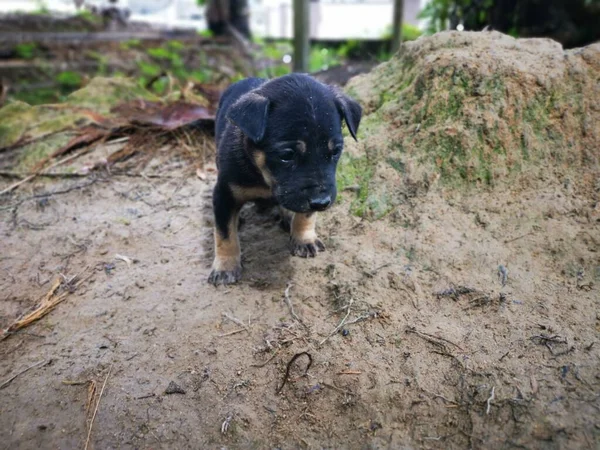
(469, 319)
(416, 373)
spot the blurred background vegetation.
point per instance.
(45, 71)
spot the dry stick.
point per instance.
(234, 320)
(333, 386)
(267, 361)
(7, 382)
(431, 338)
(341, 324)
(33, 175)
(489, 400)
(233, 332)
(87, 441)
(288, 301)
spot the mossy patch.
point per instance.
(101, 94)
(31, 154)
(14, 118)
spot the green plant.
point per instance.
(69, 79)
(41, 9)
(26, 50)
(89, 16)
(131, 43)
(322, 58)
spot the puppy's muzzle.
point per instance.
(320, 202)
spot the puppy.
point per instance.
(280, 141)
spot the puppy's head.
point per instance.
(294, 128)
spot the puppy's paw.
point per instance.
(225, 277)
(306, 249)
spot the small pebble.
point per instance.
(174, 388)
(345, 332)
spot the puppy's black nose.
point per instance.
(320, 203)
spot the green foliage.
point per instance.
(149, 69)
(69, 79)
(131, 43)
(322, 58)
(89, 16)
(26, 50)
(409, 32)
(42, 8)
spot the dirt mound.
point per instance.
(455, 306)
(478, 107)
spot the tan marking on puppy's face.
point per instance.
(243, 194)
(303, 227)
(227, 251)
(260, 160)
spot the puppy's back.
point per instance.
(229, 97)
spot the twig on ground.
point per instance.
(233, 332)
(289, 365)
(47, 303)
(455, 292)
(288, 302)
(38, 364)
(489, 400)
(373, 272)
(225, 424)
(33, 175)
(341, 324)
(234, 320)
(267, 361)
(92, 388)
(87, 441)
(50, 194)
(349, 372)
(432, 339)
(518, 237)
(334, 387)
(549, 341)
(21, 175)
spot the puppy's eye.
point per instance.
(287, 154)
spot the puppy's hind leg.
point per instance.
(227, 265)
(304, 241)
(285, 219)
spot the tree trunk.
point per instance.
(223, 13)
(301, 35)
(397, 25)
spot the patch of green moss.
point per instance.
(535, 113)
(355, 172)
(101, 94)
(14, 118)
(33, 153)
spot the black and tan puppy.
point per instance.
(277, 140)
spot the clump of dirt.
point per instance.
(473, 107)
(450, 310)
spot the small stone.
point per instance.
(174, 388)
(345, 332)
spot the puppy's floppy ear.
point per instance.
(249, 113)
(349, 110)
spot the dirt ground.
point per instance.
(464, 318)
(416, 373)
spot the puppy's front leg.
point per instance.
(304, 241)
(227, 265)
